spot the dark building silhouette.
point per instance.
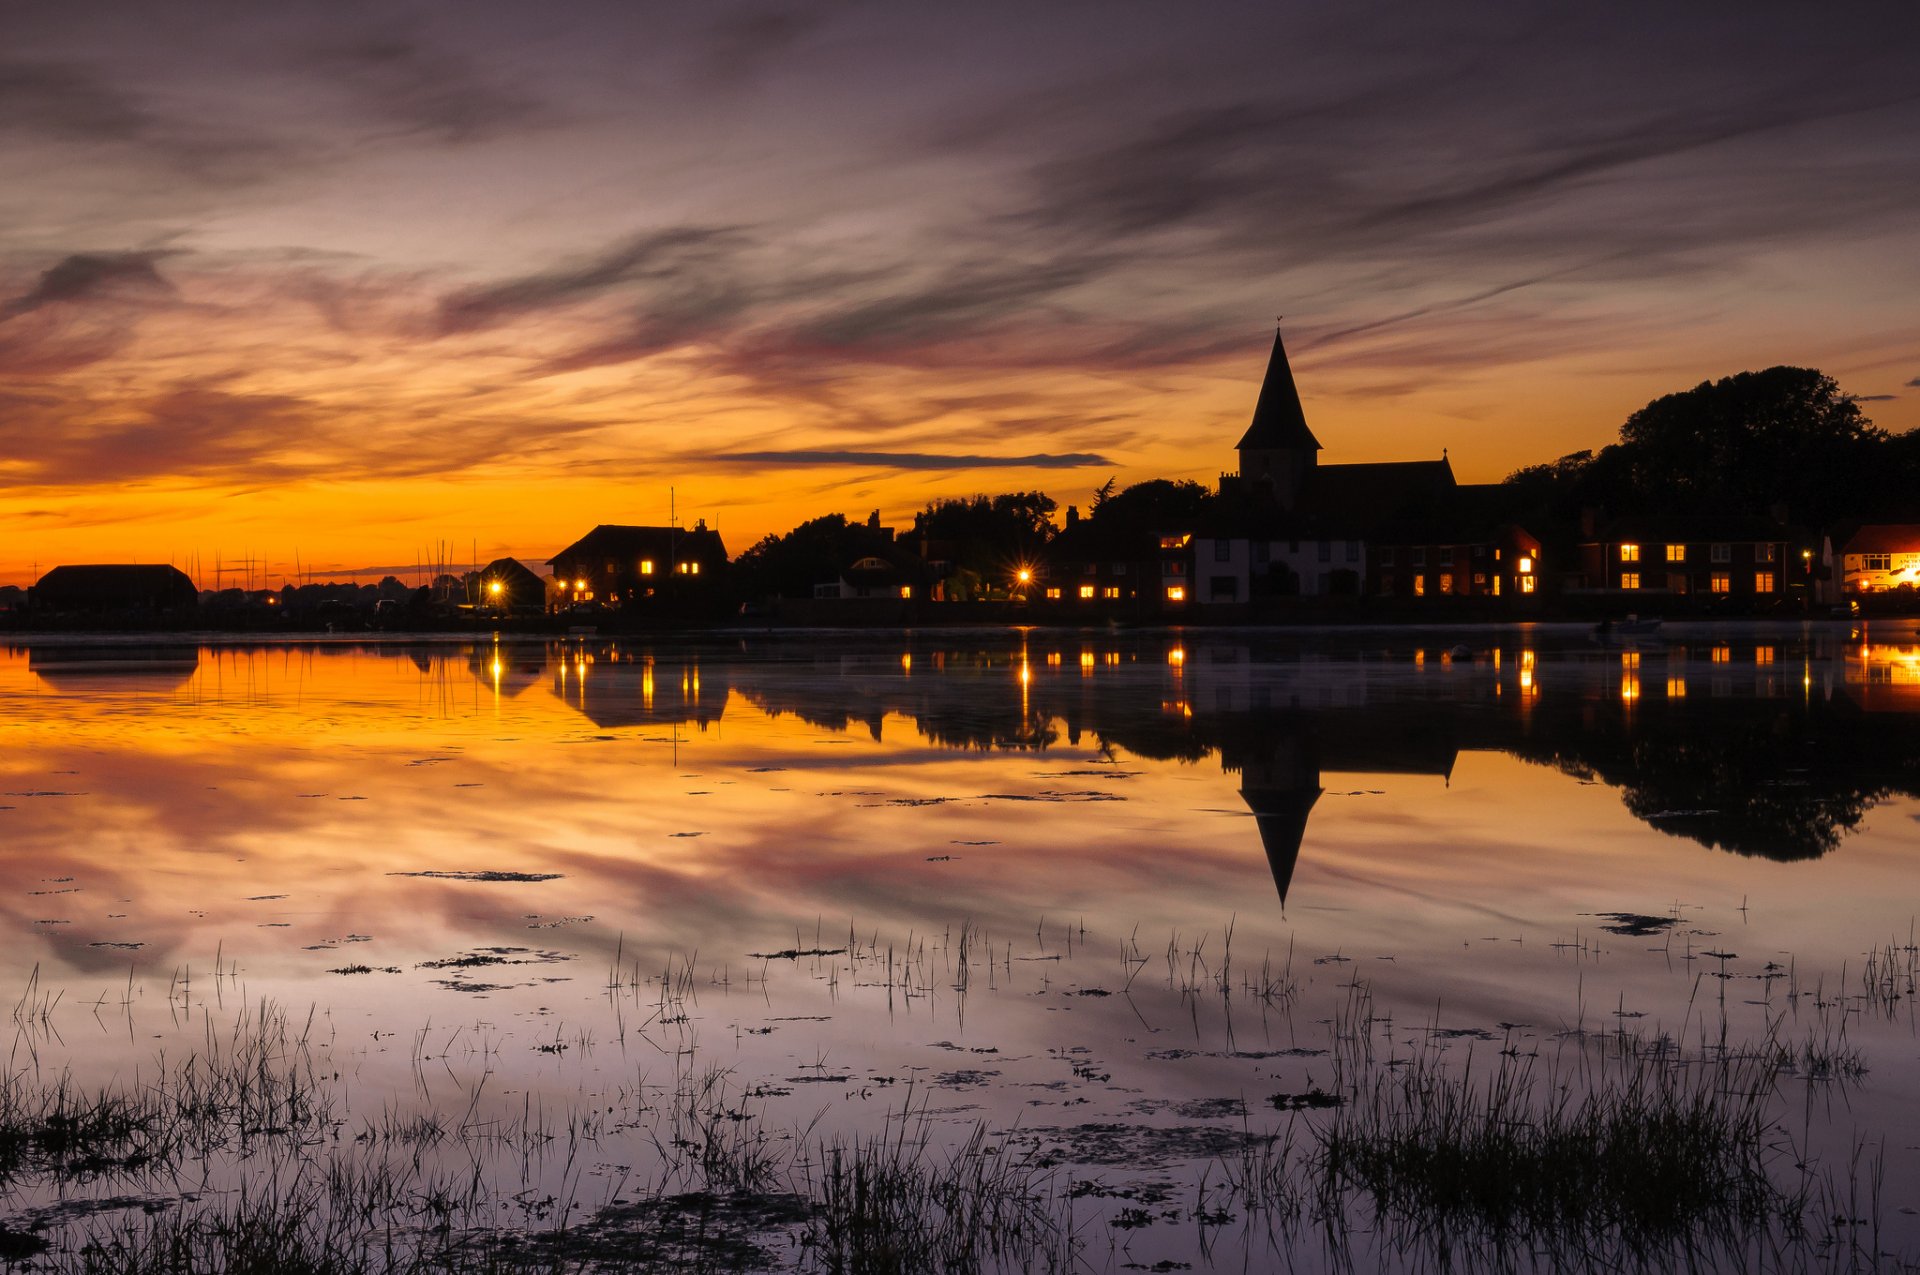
(511, 585)
(115, 590)
(1278, 453)
(1752, 559)
(88, 668)
(615, 565)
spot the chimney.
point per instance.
(1589, 516)
(1073, 515)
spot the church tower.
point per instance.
(1278, 452)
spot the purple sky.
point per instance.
(354, 277)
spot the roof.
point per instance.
(1092, 541)
(116, 583)
(1279, 422)
(1681, 529)
(623, 541)
(509, 568)
(1883, 537)
(1383, 495)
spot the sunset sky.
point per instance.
(346, 280)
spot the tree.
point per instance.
(1160, 504)
(989, 538)
(790, 565)
(1746, 443)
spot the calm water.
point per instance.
(1062, 839)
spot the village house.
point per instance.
(1752, 562)
(1871, 558)
(884, 567)
(508, 584)
(616, 566)
(127, 590)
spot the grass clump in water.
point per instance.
(1649, 1147)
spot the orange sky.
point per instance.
(345, 287)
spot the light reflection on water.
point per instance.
(1446, 825)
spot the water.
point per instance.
(1101, 893)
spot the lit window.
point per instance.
(1111, 591)
(1763, 582)
(1722, 655)
(1086, 591)
(1054, 593)
(1176, 593)
(1496, 589)
(1629, 579)
(1446, 582)
(1766, 552)
(1877, 562)
(646, 566)
(1526, 566)
(906, 590)
(1763, 655)
(1629, 553)
(1419, 586)
(1526, 584)
(1676, 553)
(1722, 582)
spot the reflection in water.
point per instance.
(1450, 829)
(86, 669)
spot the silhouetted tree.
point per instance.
(789, 565)
(1745, 444)
(989, 537)
(1153, 505)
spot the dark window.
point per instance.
(1223, 551)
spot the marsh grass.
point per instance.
(255, 1084)
(896, 1202)
(1582, 1150)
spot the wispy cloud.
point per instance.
(912, 460)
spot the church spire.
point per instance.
(1279, 422)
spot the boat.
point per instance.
(1631, 627)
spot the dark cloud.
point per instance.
(206, 431)
(1914, 384)
(913, 460)
(92, 277)
(81, 311)
(741, 45)
(1873, 398)
(66, 101)
(413, 88)
(71, 103)
(690, 266)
